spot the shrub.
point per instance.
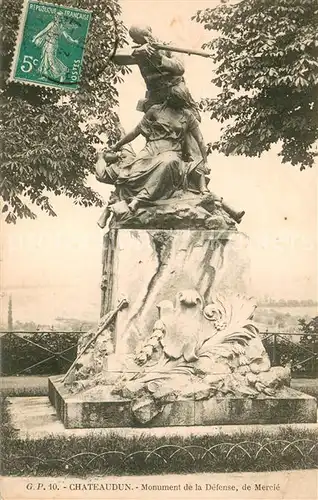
(303, 355)
(38, 353)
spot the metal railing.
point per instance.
(37, 353)
(301, 354)
(240, 454)
(52, 352)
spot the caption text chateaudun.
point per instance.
(154, 487)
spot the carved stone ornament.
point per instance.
(104, 282)
(200, 351)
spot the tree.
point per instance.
(25, 326)
(309, 327)
(310, 341)
(267, 68)
(10, 315)
(48, 135)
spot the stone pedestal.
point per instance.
(185, 351)
(98, 408)
(148, 266)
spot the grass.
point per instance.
(24, 386)
(117, 455)
(307, 385)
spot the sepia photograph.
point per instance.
(159, 263)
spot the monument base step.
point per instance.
(97, 408)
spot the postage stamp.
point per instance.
(50, 45)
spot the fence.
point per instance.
(37, 353)
(51, 353)
(302, 354)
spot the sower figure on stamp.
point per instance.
(48, 40)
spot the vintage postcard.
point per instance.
(159, 305)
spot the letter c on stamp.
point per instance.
(50, 45)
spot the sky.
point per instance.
(52, 266)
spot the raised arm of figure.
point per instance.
(36, 38)
(124, 58)
(100, 164)
(69, 38)
(172, 64)
(127, 138)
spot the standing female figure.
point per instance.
(51, 66)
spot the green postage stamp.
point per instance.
(50, 45)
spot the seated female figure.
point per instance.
(157, 171)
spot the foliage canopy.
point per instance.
(267, 68)
(48, 135)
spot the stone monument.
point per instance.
(176, 343)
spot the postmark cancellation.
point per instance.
(50, 45)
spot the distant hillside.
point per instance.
(283, 318)
(43, 305)
(60, 325)
(268, 302)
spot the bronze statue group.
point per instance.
(175, 155)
